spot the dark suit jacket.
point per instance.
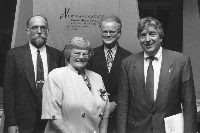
(19, 94)
(98, 64)
(176, 86)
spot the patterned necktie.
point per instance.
(39, 80)
(109, 60)
(150, 80)
(87, 82)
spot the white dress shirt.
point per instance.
(156, 66)
(43, 55)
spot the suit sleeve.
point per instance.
(189, 99)
(122, 101)
(9, 90)
(89, 65)
(52, 97)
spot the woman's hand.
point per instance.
(13, 129)
(113, 106)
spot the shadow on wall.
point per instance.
(199, 7)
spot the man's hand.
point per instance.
(13, 129)
(113, 106)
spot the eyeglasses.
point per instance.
(36, 28)
(105, 32)
(78, 54)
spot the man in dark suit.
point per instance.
(106, 61)
(22, 94)
(144, 100)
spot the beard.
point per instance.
(38, 42)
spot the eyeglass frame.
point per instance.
(108, 31)
(35, 28)
(78, 54)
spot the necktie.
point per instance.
(39, 80)
(150, 80)
(109, 60)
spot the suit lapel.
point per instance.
(165, 74)
(139, 75)
(28, 67)
(51, 63)
(101, 58)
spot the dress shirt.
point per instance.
(156, 66)
(114, 50)
(43, 55)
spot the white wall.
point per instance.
(129, 14)
(61, 27)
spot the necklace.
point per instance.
(87, 82)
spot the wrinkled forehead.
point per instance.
(79, 50)
(148, 30)
(110, 24)
(37, 20)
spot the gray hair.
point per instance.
(147, 22)
(77, 43)
(111, 18)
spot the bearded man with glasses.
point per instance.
(26, 69)
(107, 59)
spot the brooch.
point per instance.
(103, 94)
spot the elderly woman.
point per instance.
(75, 99)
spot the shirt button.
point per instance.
(83, 115)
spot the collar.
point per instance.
(34, 49)
(114, 49)
(71, 68)
(158, 55)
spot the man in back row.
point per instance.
(106, 62)
(26, 69)
(154, 84)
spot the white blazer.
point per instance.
(67, 97)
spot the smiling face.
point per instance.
(79, 59)
(37, 31)
(150, 40)
(110, 33)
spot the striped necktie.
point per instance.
(109, 60)
(39, 80)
